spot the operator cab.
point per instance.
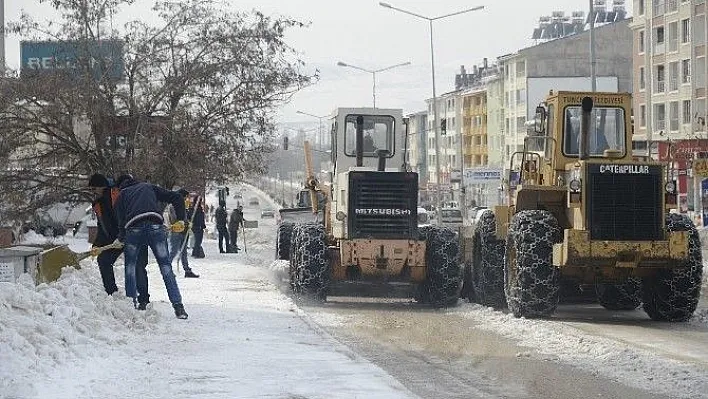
(607, 131)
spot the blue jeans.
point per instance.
(155, 236)
(176, 241)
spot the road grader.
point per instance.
(581, 210)
(365, 240)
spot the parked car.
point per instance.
(268, 213)
(423, 217)
(451, 217)
(253, 201)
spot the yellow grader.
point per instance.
(582, 210)
(366, 240)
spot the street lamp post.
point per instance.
(373, 72)
(436, 123)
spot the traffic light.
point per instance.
(443, 126)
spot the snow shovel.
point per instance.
(56, 258)
(187, 234)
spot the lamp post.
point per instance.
(320, 135)
(373, 72)
(436, 123)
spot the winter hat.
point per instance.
(124, 178)
(98, 180)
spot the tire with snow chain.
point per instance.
(294, 255)
(487, 272)
(531, 282)
(312, 267)
(672, 294)
(282, 241)
(624, 296)
(444, 275)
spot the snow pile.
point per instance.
(559, 341)
(44, 326)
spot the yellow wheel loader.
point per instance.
(581, 209)
(366, 240)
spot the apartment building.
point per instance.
(417, 147)
(669, 65)
(474, 127)
(449, 114)
(561, 64)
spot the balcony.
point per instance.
(673, 85)
(477, 149)
(660, 86)
(659, 48)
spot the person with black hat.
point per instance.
(103, 205)
(140, 223)
(177, 238)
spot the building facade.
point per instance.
(669, 65)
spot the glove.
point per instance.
(95, 251)
(178, 227)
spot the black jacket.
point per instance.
(220, 216)
(139, 202)
(199, 222)
(236, 219)
(107, 221)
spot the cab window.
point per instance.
(378, 134)
(607, 130)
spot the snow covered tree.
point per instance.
(194, 101)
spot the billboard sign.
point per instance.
(104, 58)
(483, 175)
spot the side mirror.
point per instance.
(540, 120)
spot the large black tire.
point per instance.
(531, 281)
(624, 296)
(282, 241)
(672, 294)
(294, 256)
(312, 267)
(444, 275)
(488, 263)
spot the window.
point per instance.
(520, 96)
(642, 79)
(674, 116)
(699, 30)
(673, 76)
(699, 111)
(658, 8)
(686, 71)
(699, 73)
(659, 40)
(642, 115)
(378, 134)
(659, 117)
(673, 36)
(686, 112)
(606, 130)
(521, 68)
(685, 30)
(673, 6)
(660, 79)
(642, 40)
(641, 7)
(521, 124)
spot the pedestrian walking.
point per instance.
(221, 227)
(235, 222)
(177, 244)
(140, 223)
(198, 226)
(103, 206)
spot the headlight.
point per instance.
(574, 185)
(670, 187)
(341, 216)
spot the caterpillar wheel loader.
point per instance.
(581, 209)
(366, 240)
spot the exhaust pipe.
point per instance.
(359, 140)
(586, 106)
(383, 154)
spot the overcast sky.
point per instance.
(362, 33)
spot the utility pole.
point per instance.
(593, 80)
(2, 39)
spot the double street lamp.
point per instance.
(320, 135)
(435, 105)
(373, 72)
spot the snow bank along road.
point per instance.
(472, 351)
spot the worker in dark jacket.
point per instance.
(140, 223)
(235, 222)
(221, 220)
(198, 225)
(107, 225)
